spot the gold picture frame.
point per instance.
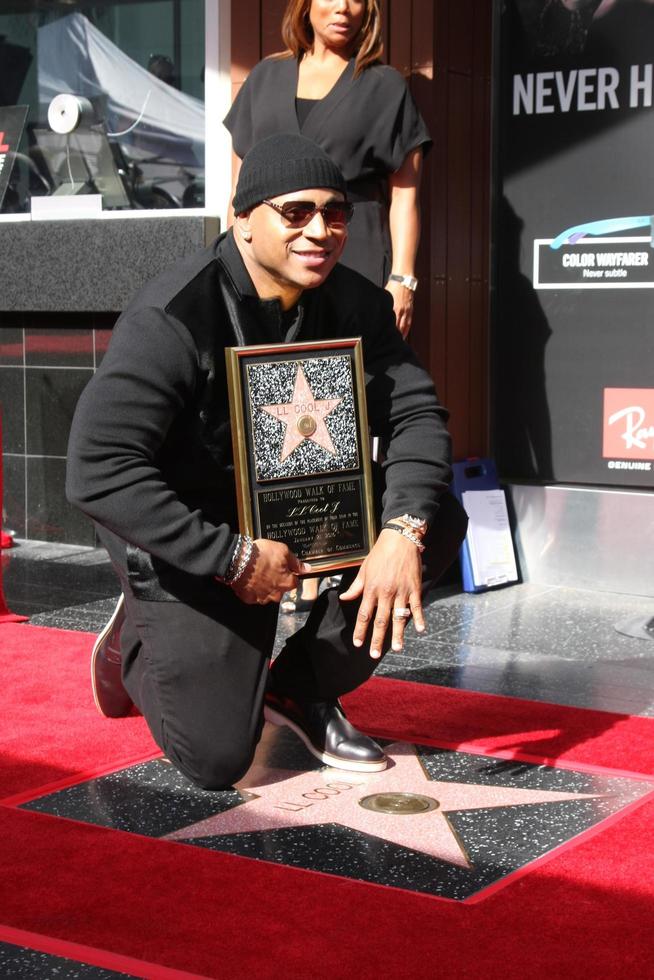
(302, 449)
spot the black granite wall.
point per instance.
(95, 264)
(62, 286)
(45, 362)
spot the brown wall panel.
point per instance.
(477, 438)
(480, 183)
(436, 357)
(385, 7)
(457, 391)
(435, 217)
(459, 36)
(246, 38)
(422, 34)
(462, 46)
(398, 47)
(440, 38)
(271, 21)
(458, 253)
(482, 28)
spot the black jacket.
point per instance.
(150, 455)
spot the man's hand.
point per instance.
(389, 582)
(273, 571)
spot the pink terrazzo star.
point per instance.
(309, 412)
(282, 798)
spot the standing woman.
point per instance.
(331, 86)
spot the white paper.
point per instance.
(68, 206)
(489, 540)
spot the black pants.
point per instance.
(198, 669)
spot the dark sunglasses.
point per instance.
(297, 214)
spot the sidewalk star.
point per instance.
(304, 417)
(277, 798)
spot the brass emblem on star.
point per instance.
(306, 426)
(400, 804)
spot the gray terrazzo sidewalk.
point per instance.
(547, 643)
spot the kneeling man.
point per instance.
(150, 461)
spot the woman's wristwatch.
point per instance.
(409, 281)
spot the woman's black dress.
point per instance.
(367, 125)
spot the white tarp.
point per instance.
(74, 56)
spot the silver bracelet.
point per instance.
(418, 524)
(241, 557)
(245, 556)
(233, 562)
(406, 533)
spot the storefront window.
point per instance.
(135, 129)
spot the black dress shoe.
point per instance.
(326, 732)
(111, 698)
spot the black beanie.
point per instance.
(280, 164)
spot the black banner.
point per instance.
(574, 330)
(12, 122)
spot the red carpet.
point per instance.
(124, 899)
(50, 730)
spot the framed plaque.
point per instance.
(301, 448)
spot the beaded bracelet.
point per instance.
(245, 556)
(241, 557)
(406, 533)
(233, 562)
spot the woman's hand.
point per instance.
(402, 305)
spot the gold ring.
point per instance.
(402, 612)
